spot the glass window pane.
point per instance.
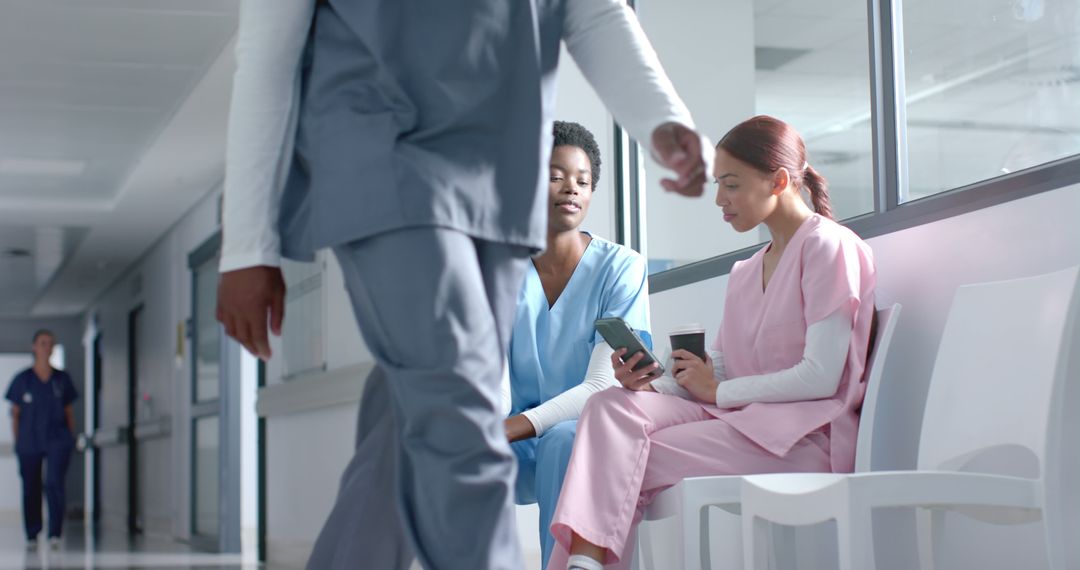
(206, 459)
(207, 332)
(991, 88)
(806, 63)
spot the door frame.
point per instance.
(97, 367)
(207, 251)
(133, 526)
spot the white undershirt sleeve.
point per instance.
(568, 405)
(262, 125)
(816, 376)
(606, 41)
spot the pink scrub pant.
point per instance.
(632, 445)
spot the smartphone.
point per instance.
(618, 335)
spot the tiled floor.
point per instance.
(112, 551)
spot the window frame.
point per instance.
(892, 212)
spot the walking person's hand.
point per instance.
(681, 149)
(250, 301)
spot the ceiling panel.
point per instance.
(94, 84)
(29, 259)
(86, 34)
(93, 87)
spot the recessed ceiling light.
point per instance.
(15, 252)
(42, 166)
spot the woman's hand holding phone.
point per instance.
(631, 379)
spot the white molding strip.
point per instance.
(108, 437)
(281, 553)
(314, 390)
(156, 428)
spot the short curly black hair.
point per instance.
(572, 134)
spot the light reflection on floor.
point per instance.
(108, 550)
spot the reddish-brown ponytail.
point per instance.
(769, 144)
(819, 191)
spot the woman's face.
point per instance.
(569, 188)
(746, 195)
(43, 346)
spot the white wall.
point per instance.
(11, 500)
(161, 283)
(249, 507)
(577, 102)
(306, 454)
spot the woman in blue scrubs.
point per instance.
(557, 359)
(43, 423)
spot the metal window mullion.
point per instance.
(629, 210)
(205, 408)
(637, 199)
(629, 201)
(621, 186)
(888, 106)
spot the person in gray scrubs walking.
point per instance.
(412, 138)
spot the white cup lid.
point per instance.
(688, 328)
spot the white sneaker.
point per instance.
(31, 544)
(54, 542)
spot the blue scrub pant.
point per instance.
(542, 463)
(56, 463)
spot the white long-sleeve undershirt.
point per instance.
(603, 37)
(599, 375)
(815, 376)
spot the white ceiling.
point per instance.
(112, 122)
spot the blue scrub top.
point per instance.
(550, 347)
(41, 410)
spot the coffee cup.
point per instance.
(689, 337)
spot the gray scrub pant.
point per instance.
(433, 474)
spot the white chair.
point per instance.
(1004, 379)
(690, 499)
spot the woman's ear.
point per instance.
(781, 179)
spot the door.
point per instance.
(206, 404)
(95, 425)
(134, 521)
(226, 438)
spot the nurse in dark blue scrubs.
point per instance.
(44, 426)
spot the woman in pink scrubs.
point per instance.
(779, 391)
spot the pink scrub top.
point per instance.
(825, 268)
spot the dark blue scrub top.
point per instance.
(41, 410)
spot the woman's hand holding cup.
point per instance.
(695, 375)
